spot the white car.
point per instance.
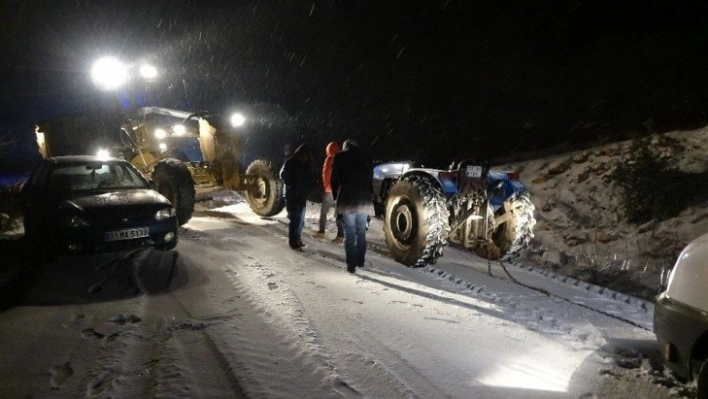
(681, 316)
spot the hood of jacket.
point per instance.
(332, 148)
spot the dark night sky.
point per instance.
(412, 79)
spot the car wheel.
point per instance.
(702, 381)
(36, 245)
(166, 247)
(416, 222)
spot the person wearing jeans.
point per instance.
(327, 198)
(354, 239)
(352, 174)
(298, 181)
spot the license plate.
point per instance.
(127, 234)
(473, 171)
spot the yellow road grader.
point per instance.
(180, 152)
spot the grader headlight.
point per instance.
(160, 133)
(109, 73)
(179, 130)
(237, 119)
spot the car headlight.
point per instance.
(163, 214)
(76, 221)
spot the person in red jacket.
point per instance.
(327, 199)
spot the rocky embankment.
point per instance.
(581, 230)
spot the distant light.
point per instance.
(103, 154)
(237, 119)
(148, 72)
(163, 146)
(160, 133)
(108, 73)
(179, 130)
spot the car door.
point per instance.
(34, 197)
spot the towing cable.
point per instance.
(545, 292)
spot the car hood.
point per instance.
(131, 197)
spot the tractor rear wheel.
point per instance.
(416, 222)
(173, 180)
(266, 198)
(515, 234)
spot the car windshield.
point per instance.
(95, 176)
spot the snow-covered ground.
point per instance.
(234, 312)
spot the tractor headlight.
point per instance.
(163, 214)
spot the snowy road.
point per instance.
(233, 312)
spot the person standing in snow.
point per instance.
(298, 182)
(327, 199)
(352, 174)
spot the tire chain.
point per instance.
(524, 227)
(435, 241)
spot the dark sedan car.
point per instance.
(88, 204)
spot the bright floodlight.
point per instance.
(148, 72)
(179, 130)
(103, 154)
(162, 146)
(237, 119)
(160, 133)
(108, 73)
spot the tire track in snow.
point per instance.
(155, 357)
(297, 341)
(271, 344)
(291, 313)
(532, 310)
(392, 370)
(416, 384)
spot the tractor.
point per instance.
(469, 205)
(182, 153)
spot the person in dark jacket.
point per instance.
(298, 181)
(327, 199)
(352, 173)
